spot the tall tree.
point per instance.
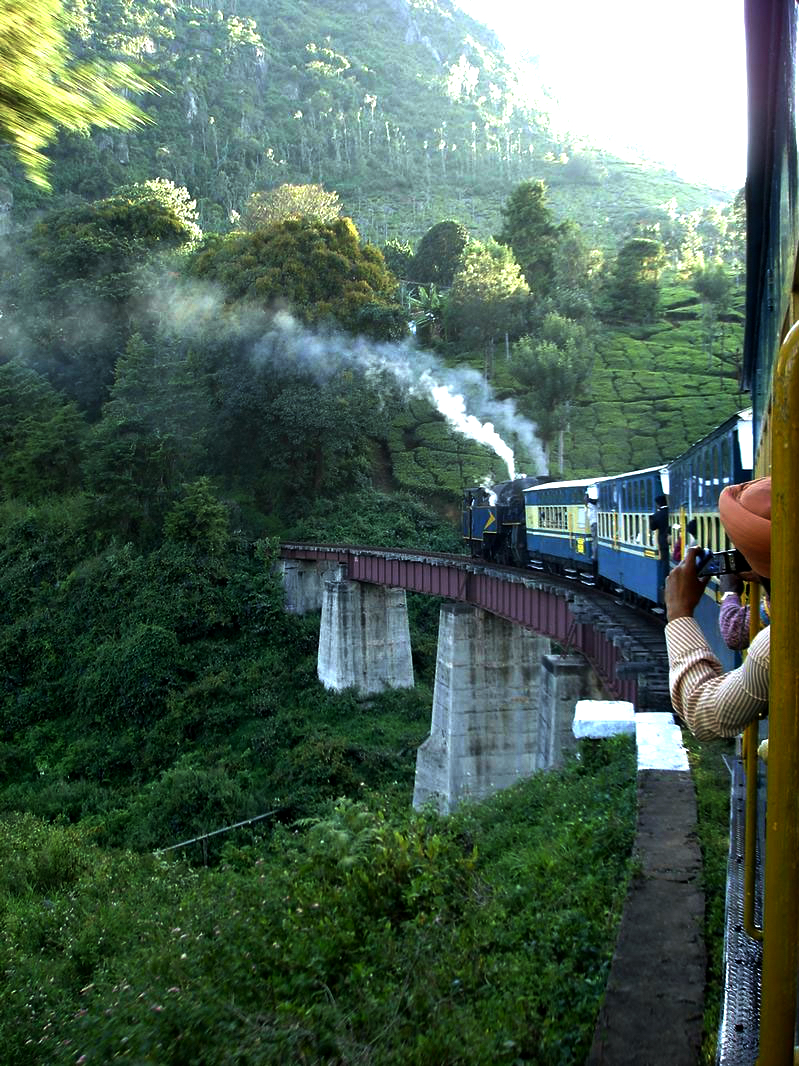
(150, 439)
(42, 436)
(529, 229)
(575, 272)
(553, 367)
(713, 286)
(489, 296)
(632, 291)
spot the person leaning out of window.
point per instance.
(713, 703)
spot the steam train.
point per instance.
(550, 525)
(604, 531)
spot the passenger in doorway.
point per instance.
(659, 523)
(690, 540)
(592, 509)
(710, 702)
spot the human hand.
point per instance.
(684, 587)
(731, 583)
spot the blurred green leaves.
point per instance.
(42, 88)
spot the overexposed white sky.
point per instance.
(669, 78)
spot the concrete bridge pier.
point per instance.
(364, 638)
(484, 732)
(565, 679)
(304, 582)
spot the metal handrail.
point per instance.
(749, 752)
(781, 883)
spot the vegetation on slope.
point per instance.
(372, 935)
(408, 109)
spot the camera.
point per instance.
(710, 564)
(706, 563)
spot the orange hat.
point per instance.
(745, 512)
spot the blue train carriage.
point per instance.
(493, 521)
(559, 517)
(723, 457)
(627, 548)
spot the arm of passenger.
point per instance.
(734, 622)
(712, 703)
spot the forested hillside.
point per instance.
(407, 108)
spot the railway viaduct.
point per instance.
(516, 651)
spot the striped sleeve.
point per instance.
(712, 703)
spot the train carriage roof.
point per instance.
(574, 483)
(662, 469)
(742, 420)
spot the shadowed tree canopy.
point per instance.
(529, 230)
(633, 289)
(713, 285)
(318, 269)
(68, 299)
(398, 256)
(439, 253)
(42, 89)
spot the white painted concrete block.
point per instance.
(595, 719)
(659, 742)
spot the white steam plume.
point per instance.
(459, 394)
(453, 408)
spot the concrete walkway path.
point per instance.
(653, 1009)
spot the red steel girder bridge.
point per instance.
(625, 646)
